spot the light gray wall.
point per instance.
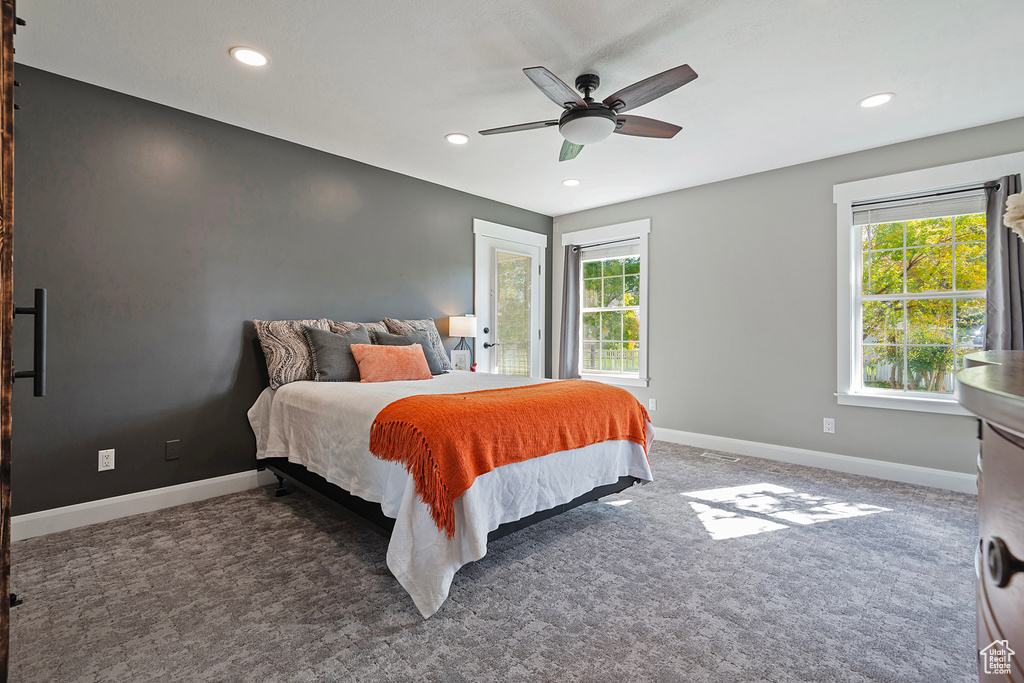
(160, 235)
(743, 306)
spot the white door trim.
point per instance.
(510, 234)
(482, 228)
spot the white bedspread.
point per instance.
(325, 427)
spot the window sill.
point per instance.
(920, 404)
(617, 380)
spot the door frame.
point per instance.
(7, 30)
(482, 228)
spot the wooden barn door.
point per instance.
(6, 317)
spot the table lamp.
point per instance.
(462, 326)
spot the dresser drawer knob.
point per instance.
(1001, 563)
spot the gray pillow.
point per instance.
(421, 337)
(332, 353)
(406, 326)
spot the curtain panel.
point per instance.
(569, 344)
(1004, 308)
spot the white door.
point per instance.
(509, 302)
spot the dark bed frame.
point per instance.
(372, 516)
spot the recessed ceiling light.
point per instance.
(247, 55)
(876, 100)
(570, 182)
(457, 138)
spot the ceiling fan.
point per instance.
(585, 121)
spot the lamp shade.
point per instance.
(462, 326)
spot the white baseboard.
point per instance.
(93, 512)
(910, 474)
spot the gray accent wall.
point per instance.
(743, 306)
(160, 236)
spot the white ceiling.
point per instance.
(383, 81)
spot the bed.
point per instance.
(318, 433)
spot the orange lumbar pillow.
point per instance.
(390, 363)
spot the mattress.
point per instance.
(325, 427)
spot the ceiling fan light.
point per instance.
(583, 129)
(457, 138)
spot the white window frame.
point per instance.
(848, 239)
(639, 229)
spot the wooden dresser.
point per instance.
(992, 387)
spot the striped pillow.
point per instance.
(342, 327)
(408, 326)
(390, 363)
(285, 349)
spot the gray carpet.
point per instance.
(249, 587)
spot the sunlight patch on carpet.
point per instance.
(760, 501)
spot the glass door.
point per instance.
(509, 306)
(512, 314)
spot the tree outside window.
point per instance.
(611, 316)
(922, 301)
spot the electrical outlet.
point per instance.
(171, 450)
(830, 425)
(652, 404)
(106, 459)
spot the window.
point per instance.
(613, 302)
(911, 274)
(610, 302)
(921, 302)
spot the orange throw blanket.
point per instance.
(447, 440)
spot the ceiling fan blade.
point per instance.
(646, 128)
(632, 96)
(554, 87)
(570, 150)
(521, 126)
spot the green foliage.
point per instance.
(970, 266)
(970, 228)
(592, 326)
(630, 326)
(915, 336)
(632, 290)
(515, 281)
(611, 325)
(928, 366)
(613, 295)
(613, 266)
(611, 338)
(929, 231)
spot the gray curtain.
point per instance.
(569, 345)
(1004, 309)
